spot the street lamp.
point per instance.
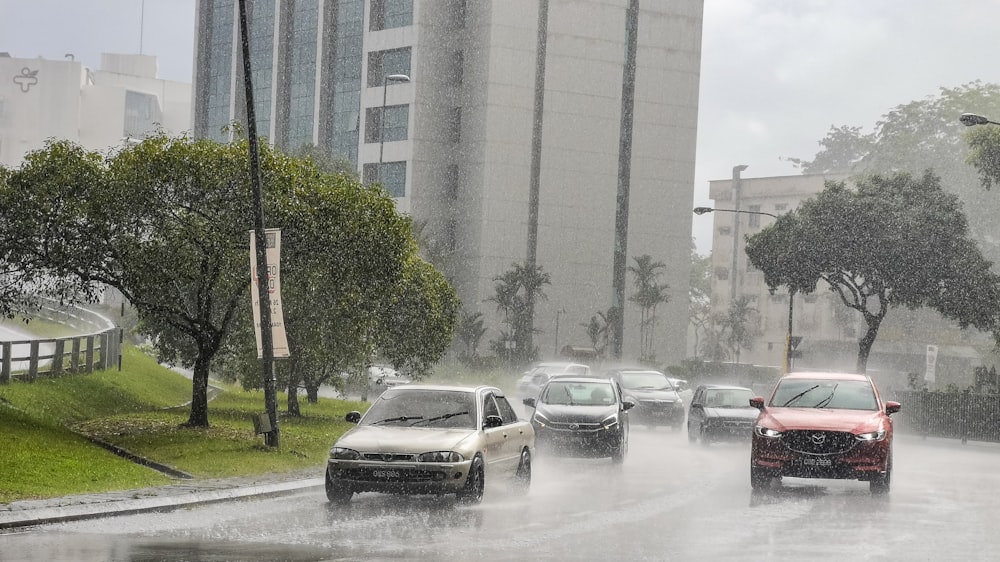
(381, 134)
(970, 119)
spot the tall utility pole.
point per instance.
(531, 255)
(624, 178)
(736, 230)
(273, 437)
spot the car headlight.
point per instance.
(343, 454)
(539, 420)
(610, 422)
(766, 432)
(871, 436)
(440, 456)
(678, 404)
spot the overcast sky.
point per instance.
(775, 75)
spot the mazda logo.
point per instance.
(818, 438)
(574, 426)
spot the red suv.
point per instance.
(823, 425)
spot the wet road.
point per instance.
(670, 501)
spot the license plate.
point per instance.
(817, 462)
(387, 474)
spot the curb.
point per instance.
(105, 508)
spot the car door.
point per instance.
(504, 441)
(696, 412)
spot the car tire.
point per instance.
(337, 492)
(880, 484)
(475, 483)
(620, 451)
(760, 478)
(522, 478)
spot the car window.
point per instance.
(506, 410)
(645, 380)
(597, 393)
(727, 398)
(489, 406)
(423, 408)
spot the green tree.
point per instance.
(893, 240)
(513, 288)
(740, 325)
(649, 293)
(470, 332)
(166, 222)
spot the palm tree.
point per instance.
(649, 293)
(513, 289)
(470, 331)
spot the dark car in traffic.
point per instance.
(720, 412)
(656, 398)
(823, 425)
(581, 417)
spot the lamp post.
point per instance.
(970, 119)
(381, 133)
(786, 363)
(558, 313)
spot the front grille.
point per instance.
(574, 426)
(390, 457)
(820, 442)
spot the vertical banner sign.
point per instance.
(273, 251)
(932, 351)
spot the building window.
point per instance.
(389, 14)
(142, 113)
(397, 118)
(393, 177)
(386, 63)
(725, 231)
(457, 67)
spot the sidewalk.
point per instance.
(164, 498)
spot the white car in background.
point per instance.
(534, 379)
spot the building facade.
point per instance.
(828, 330)
(452, 142)
(99, 109)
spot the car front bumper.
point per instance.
(399, 477)
(578, 443)
(864, 461)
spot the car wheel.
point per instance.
(475, 483)
(620, 451)
(522, 478)
(337, 492)
(760, 479)
(880, 484)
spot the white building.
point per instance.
(42, 99)
(457, 150)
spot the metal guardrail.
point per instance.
(956, 415)
(97, 347)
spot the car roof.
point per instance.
(578, 378)
(826, 376)
(723, 387)
(444, 387)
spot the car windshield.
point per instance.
(645, 380)
(597, 393)
(825, 393)
(423, 408)
(728, 398)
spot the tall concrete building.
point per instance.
(97, 108)
(452, 141)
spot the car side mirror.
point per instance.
(530, 402)
(757, 402)
(892, 407)
(353, 416)
(627, 404)
(493, 421)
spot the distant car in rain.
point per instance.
(372, 380)
(432, 439)
(657, 401)
(720, 412)
(823, 425)
(581, 417)
(532, 380)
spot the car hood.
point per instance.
(383, 439)
(733, 413)
(650, 394)
(579, 414)
(854, 421)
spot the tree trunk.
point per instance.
(867, 341)
(199, 391)
(312, 393)
(293, 400)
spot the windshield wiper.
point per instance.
(827, 400)
(398, 419)
(441, 417)
(800, 395)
